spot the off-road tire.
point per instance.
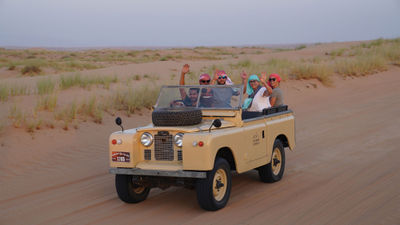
(176, 117)
(273, 171)
(209, 196)
(128, 191)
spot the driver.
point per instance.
(191, 99)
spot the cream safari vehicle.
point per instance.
(198, 138)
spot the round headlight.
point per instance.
(178, 139)
(146, 139)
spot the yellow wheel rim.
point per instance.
(276, 161)
(220, 184)
(138, 189)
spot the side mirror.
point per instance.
(216, 123)
(118, 121)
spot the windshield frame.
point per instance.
(238, 86)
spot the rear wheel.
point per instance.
(213, 192)
(129, 190)
(274, 170)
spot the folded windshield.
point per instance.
(201, 96)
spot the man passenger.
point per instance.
(206, 94)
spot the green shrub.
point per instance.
(300, 47)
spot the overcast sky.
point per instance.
(107, 23)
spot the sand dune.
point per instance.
(344, 170)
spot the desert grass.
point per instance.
(130, 101)
(4, 93)
(19, 89)
(45, 86)
(360, 60)
(9, 90)
(321, 72)
(32, 124)
(2, 126)
(137, 77)
(67, 114)
(361, 65)
(42, 61)
(47, 103)
(17, 116)
(91, 108)
(66, 82)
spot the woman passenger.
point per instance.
(258, 93)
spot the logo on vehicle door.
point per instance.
(256, 139)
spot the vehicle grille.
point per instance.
(179, 155)
(163, 147)
(147, 154)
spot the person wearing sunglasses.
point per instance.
(206, 94)
(258, 92)
(204, 79)
(222, 96)
(276, 97)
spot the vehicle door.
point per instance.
(255, 138)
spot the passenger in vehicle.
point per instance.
(258, 93)
(191, 99)
(204, 79)
(222, 96)
(206, 94)
(276, 96)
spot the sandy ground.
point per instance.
(344, 170)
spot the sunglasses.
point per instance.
(222, 77)
(205, 81)
(271, 79)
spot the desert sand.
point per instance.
(344, 169)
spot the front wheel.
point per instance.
(213, 192)
(273, 171)
(129, 190)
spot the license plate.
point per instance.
(121, 157)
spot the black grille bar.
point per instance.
(147, 154)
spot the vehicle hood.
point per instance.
(203, 126)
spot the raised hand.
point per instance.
(263, 78)
(243, 75)
(216, 74)
(185, 68)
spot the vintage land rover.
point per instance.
(198, 138)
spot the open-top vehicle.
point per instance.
(198, 138)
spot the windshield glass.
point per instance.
(201, 96)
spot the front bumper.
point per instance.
(141, 172)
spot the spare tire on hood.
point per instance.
(176, 116)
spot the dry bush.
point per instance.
(31, 70)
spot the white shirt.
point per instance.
(259, 101)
